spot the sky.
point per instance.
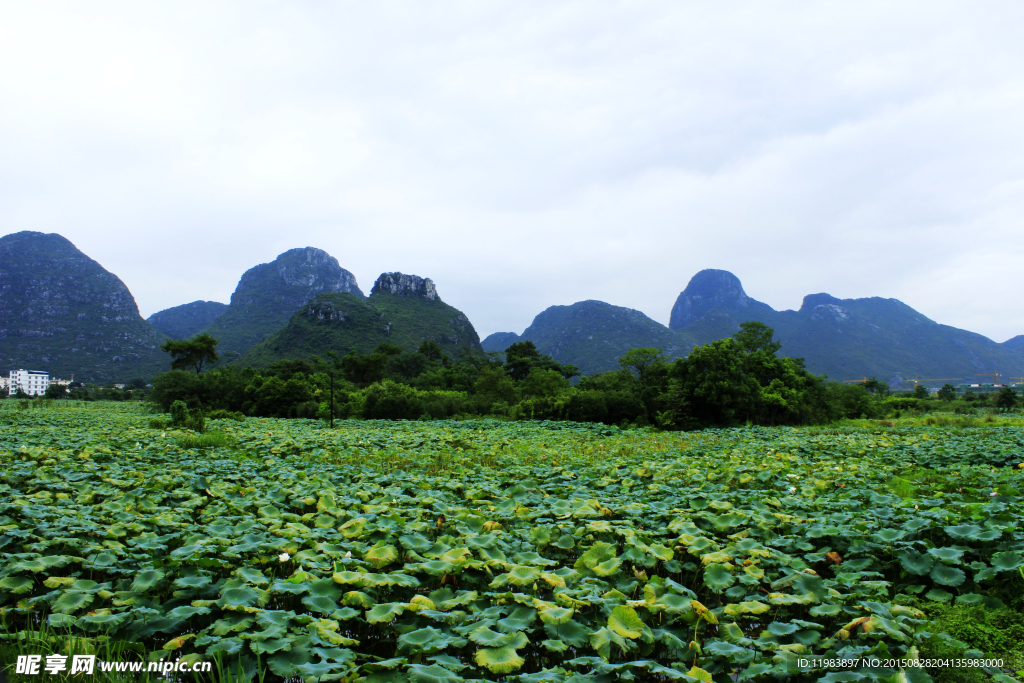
(527, 154)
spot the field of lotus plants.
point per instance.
(500, 551)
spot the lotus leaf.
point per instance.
(947, 576)
(916, 563)
(384, 612)
(418, 673)
(964, 532)
(1007, 561)
(499, 660)
(718, 578)
(626, 622)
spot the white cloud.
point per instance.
(528, 154)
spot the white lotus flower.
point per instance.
(284, 557)
(348, 555)
(792, 489)
(993, 493)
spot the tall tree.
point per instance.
(192, 354)
(755, 336)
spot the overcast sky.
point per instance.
(525, 154)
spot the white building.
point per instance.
(32, 382)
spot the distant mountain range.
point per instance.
(187, 320)
(269, 294)
(843, 338)
(61, 311)
(403, 310)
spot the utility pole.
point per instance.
(332, 399)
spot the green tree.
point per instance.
(710, 387)
(493, 384)
(920, 391)
(947, 393)
(640, 362)
(873, 386)
(192, 353)
(56, 391)
(543, 382)
(1006, 399)
(433, 352)
(754, 336)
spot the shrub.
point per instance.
(179, 413)
(226, 415)
(157, 423)
(208, 440)
(387, 400)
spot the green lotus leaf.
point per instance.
(499, 660)
(353, 528)
(415, 542)
(947, 576)
(521, 575)
(103, 560)
(349, 577)
(890, 535)
(325, 588)
(964, 532)
(321, 604)
(731, 651)
(556, 615)
(781, 629)
(483, 635)
(595, 555)
(718, 578)
(16, 584)
(226, 646)
(72, 601)
(358, 599)
(1007, 561)
(449, 662)
(238, 597)
(520, 620)
(253, 576)
(556, 646)
(437, 567)
(187, 612)
(603, 639)
(284, 587)
(381, 555)
(915, 562)
(104, 622)
(145, 580)
(195, 581)
(384, 612)
(624, 621)
(946, 554)
(809, 585)
(419, 673)
(270, 645)
(61, 621)
(938, 595)
(422, 641)
(736, 609)
(825, 610)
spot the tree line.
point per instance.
(728, 382)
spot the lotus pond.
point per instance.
(478, 550)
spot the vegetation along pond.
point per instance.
(451, 551)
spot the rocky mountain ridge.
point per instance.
(269, 294)
(403, 310)
(187, 320)
(62, 312)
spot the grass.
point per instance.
(207, 440)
